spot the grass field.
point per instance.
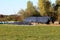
(16, 32)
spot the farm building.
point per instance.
(43, 20)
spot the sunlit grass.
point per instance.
(17, 32)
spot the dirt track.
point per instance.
(49, 24)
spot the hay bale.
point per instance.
(56, 22)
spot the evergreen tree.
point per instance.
(48, 7)
(58, 9)
(31, 10)
(42, 9)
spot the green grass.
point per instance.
(15, 32)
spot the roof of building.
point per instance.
(37, 19)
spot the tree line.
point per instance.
(45, 8)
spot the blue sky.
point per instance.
(8, 7)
